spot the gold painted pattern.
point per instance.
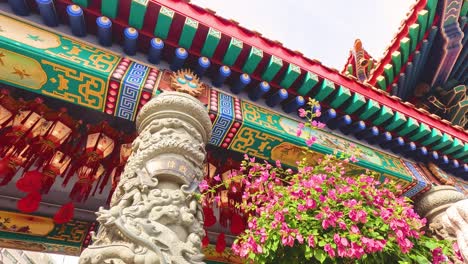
(21, 70)
(27, 34)
(254, 142)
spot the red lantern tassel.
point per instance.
(237, 224)
(81, 190)
(221, 243)
(29, 203)
(30, 182)
(210, 218)
(65, 213)
(7, 171)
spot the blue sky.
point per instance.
(321, 29)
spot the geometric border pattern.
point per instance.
(225, 116)
(130, 91)
(421, 182)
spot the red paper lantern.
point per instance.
(237, 224)
(29, 203)
(30, 182)
(209, 217)
(86, 178)
(55, 166)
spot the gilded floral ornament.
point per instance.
(185, 81)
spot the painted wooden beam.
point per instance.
(341, 96)
(309, 82)
(232, 52)
(137, 13)
(384, 114)
(164, 22)
(211, 43)
(110, 8)
(397, 120)
(255, 56)
(325, 90)
(357, 100)
(272, 68)
(290, 76)
(188, 33)
(370, 108)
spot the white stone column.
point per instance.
(446, 211)
(154, 216)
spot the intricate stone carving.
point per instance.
(454, 223)
(436, 201)
(154, 216)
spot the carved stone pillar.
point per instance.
(154, 216)
(446, 211)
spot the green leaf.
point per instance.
(320, 255)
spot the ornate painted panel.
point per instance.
(37, 233)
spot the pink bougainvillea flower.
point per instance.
(311, 141)
(302, 112)
(329, 250)
(217, 177)
(203, 186)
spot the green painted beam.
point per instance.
(211, 43)
(341, 96)
(414, 35)
(462, 153)
(137, 13)
(357, 100)
(431, 6)
(325, 90)
(385, 113)
(188, 33)
(445, 141)
(456, 146)
(110, 8)
(255, 56)
(396, 60)
(422, 130)
(82, 3)
(232, 52)
(397, 120)
(423, 18)
(434, 136)
(408, 127)
(164, 22)
(272, 68)
(310, 80)
(388, 69)
(404, 49)
(290, 75)
(370, 108)
(382, 83)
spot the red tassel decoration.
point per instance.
(237, 224)
(205, 241)
(29, 203)
(7, 171)
(210, 218)
(30, 182)
(221, 243)
(65, 213)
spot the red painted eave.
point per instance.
(230, 28)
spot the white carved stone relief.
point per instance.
(154, 216)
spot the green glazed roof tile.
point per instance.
(310, 80)
(137, 13)
(382, 83)
(434, 136)
(233, 51)
(341, 96)
(396, 60)
(370, 108)
(110, 8)
(188, 33)
(274, 65)
(164, 22)
(421, 132)
(290, 75)
(385, 113)
(357, 101)
(397, 120)
(423, 17)
(456, 146)
(255, 56)
(408, 127)
(388, 69)
(404, 49)
(462, 153)
(443, 142)
(414, 35)
(325, 90)
(211, 42)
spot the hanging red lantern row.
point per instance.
(118, 162)
(33, 136)
(100, 143)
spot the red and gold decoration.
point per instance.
(44, 144)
